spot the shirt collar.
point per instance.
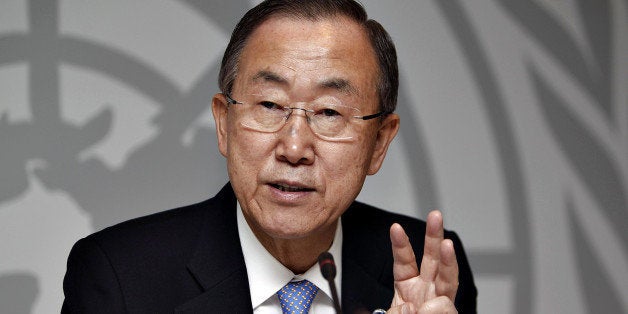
(267, 275)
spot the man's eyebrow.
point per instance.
(339, 84)
(268, 76)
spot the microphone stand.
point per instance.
(328, 269)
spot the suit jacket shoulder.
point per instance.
(177, 259)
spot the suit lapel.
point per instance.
(218, 265)
(366, 264)
(361, 291)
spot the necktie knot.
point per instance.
(297, 296)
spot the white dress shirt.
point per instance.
(267, 275)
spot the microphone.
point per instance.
(328, 269)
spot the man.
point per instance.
(305, 114)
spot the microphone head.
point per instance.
(327, 265)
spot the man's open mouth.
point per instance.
(290, 188)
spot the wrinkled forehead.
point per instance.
(328, 54)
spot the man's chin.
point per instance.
(288, 232)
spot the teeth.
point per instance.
(287, 188)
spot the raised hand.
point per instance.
(433, 288)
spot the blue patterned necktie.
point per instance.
(296, 297)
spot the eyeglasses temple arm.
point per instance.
(373, 116)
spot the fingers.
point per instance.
(434, 289)
(447, 279)
(404, 266)
(433, 238)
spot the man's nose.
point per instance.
(296, 140)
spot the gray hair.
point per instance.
(384, 48)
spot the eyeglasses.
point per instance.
(330, 122)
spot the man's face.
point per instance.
(293, 183)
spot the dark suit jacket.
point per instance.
(189, 260)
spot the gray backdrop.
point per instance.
(514, 123)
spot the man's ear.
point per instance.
(220, 108)
(385, 134)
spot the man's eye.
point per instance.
(330, 112)
(270, 105)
